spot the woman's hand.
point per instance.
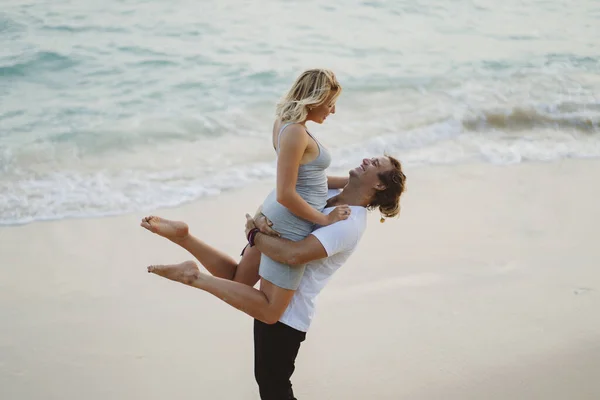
(339, 213)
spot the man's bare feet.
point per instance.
(172, 230)
(186, 272)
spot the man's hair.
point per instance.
(388, 199)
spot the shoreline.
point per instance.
(266, 184)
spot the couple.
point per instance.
(293, 260)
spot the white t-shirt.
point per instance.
(339, 240)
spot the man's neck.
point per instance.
(350, 195)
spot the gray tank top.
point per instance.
(312, 187)
(312, 178)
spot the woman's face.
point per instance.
(320, 113)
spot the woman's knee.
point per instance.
(272, 318)
(278, 299)
(274, 312)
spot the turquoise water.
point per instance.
(119, 106)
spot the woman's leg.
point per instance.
(247, 270)
(216, 262)
(266, 304)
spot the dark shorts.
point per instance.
(275, 349)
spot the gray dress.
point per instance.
(312, 187)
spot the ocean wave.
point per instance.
(581, 117)
(155, 63)
(9, 25)
(141, 51)
(45, 194)
(40, 61)
(572, 60)
(84, 28)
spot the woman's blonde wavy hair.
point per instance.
(311, 89)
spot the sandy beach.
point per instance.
(486, 287)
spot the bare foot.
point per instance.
(186, 272)
(172, 230)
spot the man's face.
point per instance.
(367, 173)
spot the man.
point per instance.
(376, 183)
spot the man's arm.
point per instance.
(290, 252)
(337, 182)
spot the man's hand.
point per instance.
(262, 223)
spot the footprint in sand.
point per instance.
(582, 290)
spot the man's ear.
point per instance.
(380, 186)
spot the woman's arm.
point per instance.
(292, 145)
(337, 182)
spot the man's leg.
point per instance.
(275, 349)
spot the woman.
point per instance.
(295, 206)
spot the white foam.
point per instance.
(71, 194)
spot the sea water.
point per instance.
(119, 106)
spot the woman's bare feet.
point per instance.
(172, 230)
(186, 272)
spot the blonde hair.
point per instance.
(311, 89)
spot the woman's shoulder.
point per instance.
(290, 132)
(293, 134)
(279, 126)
